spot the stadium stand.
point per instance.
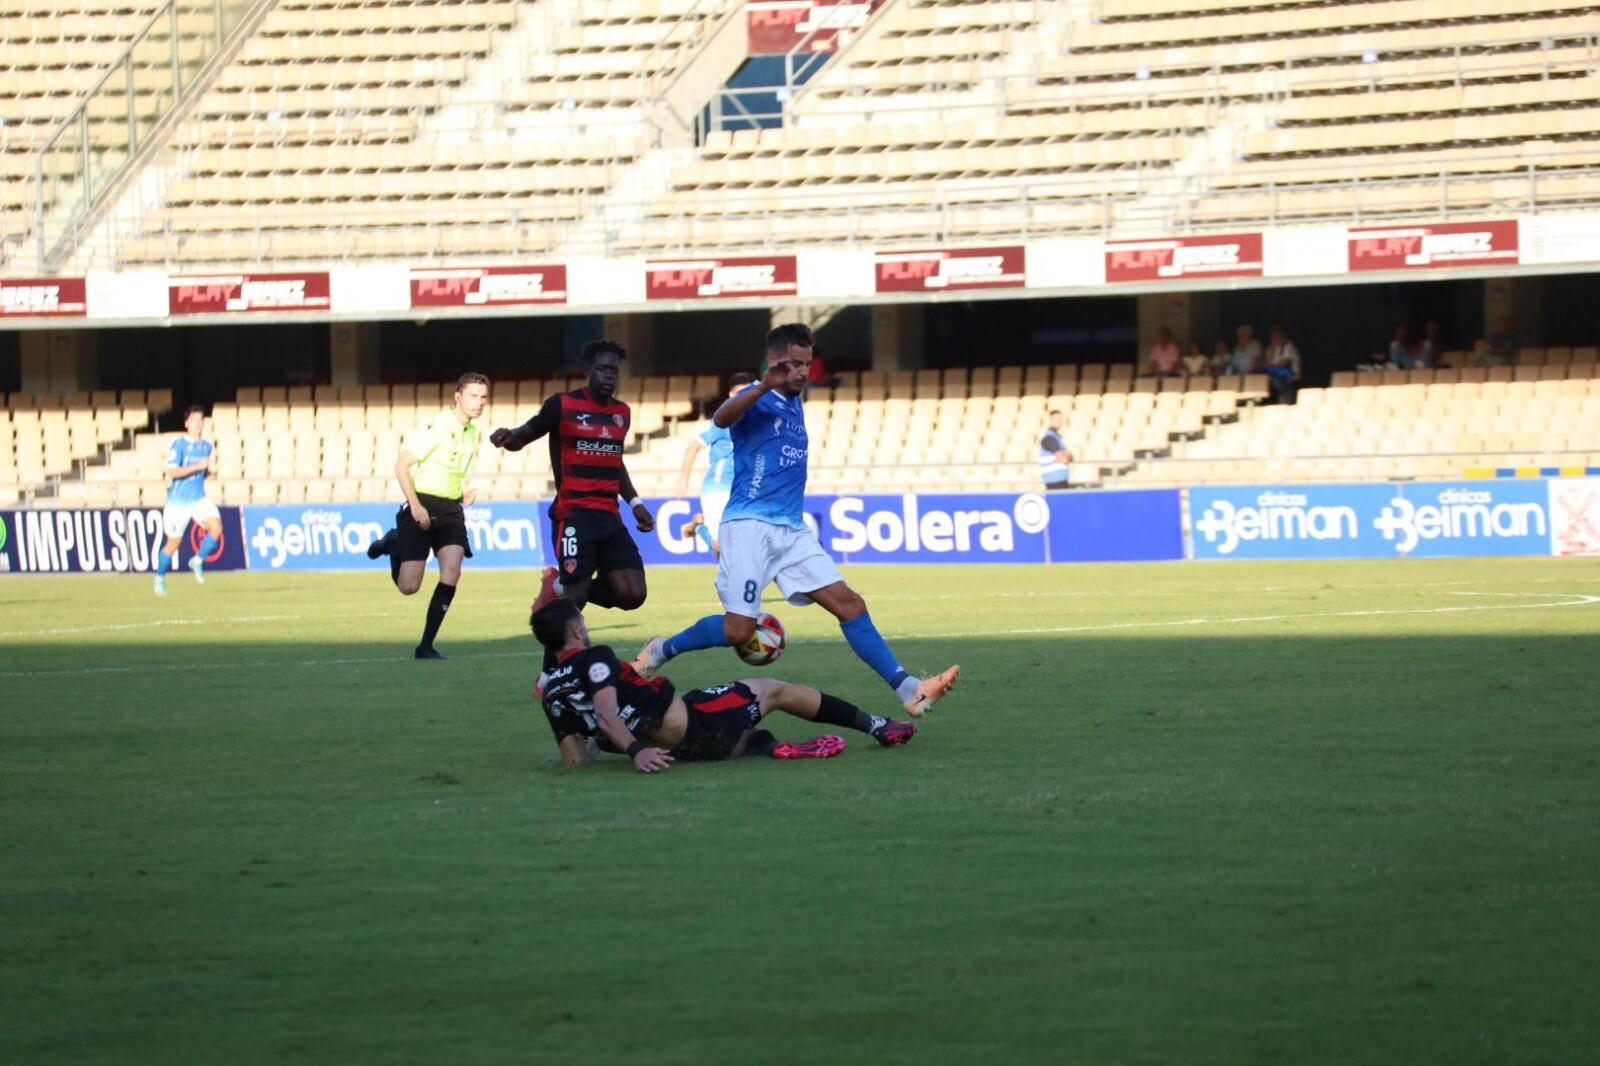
(48, 440)
(399, 129)
(1404, 424)
(326, 443)
(347, 130)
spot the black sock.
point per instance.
(760, 742)
(835, 711)
(442, 595)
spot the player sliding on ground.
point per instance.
(189, 460)
(432, 469)
(589, 694)
(764, 537)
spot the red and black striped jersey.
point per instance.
(570, 687)
(586, 440)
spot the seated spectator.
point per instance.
(1283, 366)
(1499, 348)
(1430, 347)
(1402, 352)
(1221, 357)
(1164, 360)
(1246, 353)
(1196, 362)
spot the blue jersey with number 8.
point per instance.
(769, 462)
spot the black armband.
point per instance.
(635, 748)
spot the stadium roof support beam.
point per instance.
(679, 102)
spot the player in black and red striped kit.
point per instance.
(587, 429)
(595, 701)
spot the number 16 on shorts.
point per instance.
(568, 548)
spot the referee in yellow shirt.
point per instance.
(432, 469)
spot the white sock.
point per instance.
(907, 688)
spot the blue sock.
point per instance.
(207, 546)
(706, 633)
(872, 649)
(164, 563)
(705, 535)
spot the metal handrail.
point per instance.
(226, 19)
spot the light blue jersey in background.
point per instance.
(719, 475)
(186, 451)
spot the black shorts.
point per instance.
(593, 541)
(718, 719)
(447, 526)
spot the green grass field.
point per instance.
(1227, 813)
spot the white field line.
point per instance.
(1567, 600)
(876, 598)
(158, 623)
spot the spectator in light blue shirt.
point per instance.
(1246, 352)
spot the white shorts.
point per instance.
(712, 504)
(175, 517)
(756, 553)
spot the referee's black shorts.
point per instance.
(447, 525)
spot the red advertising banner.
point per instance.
(1442, 244)
(956, 268)
(704, 279)
(43, 297)
(777, 27)
(1230, 255)
(224, 293)
(502, 286)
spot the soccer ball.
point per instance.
(765, 645)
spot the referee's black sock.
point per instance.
(847, 715)
(442, 595)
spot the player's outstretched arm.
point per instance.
(641, 514)
(734, 407)
(548, 420)
(646, 759)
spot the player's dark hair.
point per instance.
(551, 622)
(1054, 413)
(796, 334)
(192, 409)
(741, 379)
(471, 377)
(595, 349)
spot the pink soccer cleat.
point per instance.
(820, 748)
(894, 733)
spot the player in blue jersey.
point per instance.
(718, 482)
(189, 459)
(765, 538)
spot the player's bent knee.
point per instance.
(737, 628)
